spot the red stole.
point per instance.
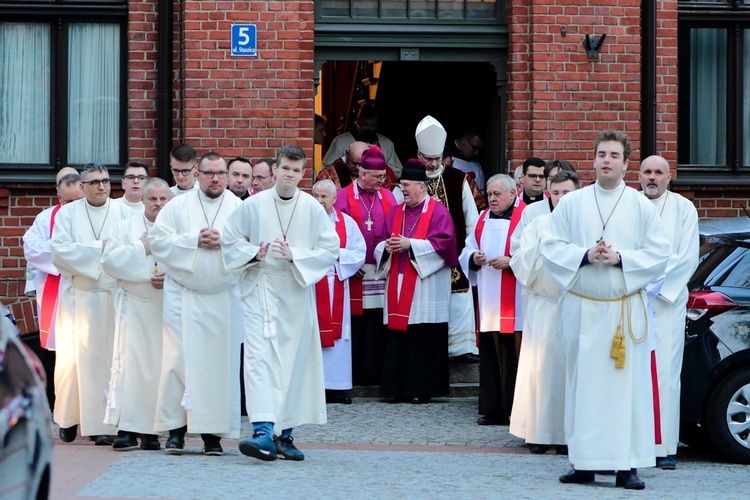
(331, 322)
(399, 306)
(508, 280)
(49, 296)
(355, 212)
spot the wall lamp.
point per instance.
(593, 44)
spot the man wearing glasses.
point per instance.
(464, 150)
(85, 322)
(133, 178)
(199, 388)
(533, 180)
(264, 174)
(182, 160)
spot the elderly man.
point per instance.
(281, 258)
(133, 177)
(367, 120)
(539, 399)
(198, 387)
(240, 177)
(264, 174)
(368, 204)
(345, 171)
(182, 161)
(332, 297)
(485, 260)
(679, 221)
(605, 243)
(136, 365)
(417, 260)
(85, 317)
(458, 194)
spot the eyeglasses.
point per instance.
(376, 177)
(177, 171)
(261, 177)
(131, 177)
(96, 182)
(473, 145)
(430, 159)
(534, 176)
(222, 174)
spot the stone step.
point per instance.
(464, 380)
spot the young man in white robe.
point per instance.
(133, 177)
(332, 297)
(198, 388)
(182, 162)
(136, 364)
(85, 316)
(605, 243)
(283, 242)
(679, 220)
(539, 400)
(485, 259)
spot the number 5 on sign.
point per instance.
(244, 40)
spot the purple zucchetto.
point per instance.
(373, 159)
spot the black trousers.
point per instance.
(368, 333)
(498, 365)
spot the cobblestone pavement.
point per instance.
(372, 449)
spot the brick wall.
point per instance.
(558, 99)
(718, 201)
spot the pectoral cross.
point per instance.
(369, 223)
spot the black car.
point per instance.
(715, 401)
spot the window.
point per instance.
(412, 10)
(62, 86)
(714, 88)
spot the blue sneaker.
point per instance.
(259, 446)
(285, 449)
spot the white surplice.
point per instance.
(137, 208)
(136, 363)
(679, 220)
(337, 360)
(200, 352)
(539, 399)
(609, 415)
(284, 380)
(85, 320)
(37, 249)
(179, 192)
(529, 213)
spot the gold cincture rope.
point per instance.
(618, 343)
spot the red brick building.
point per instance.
(119, 80)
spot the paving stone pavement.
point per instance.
(374, 450)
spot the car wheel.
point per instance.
(728, 416)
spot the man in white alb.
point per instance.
(133, 177)
(182, 161)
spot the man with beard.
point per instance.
(198, 388)
(136, 364)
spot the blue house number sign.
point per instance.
(244, 40)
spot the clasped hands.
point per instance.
(499, 263)
(603, 253)
(278, 247)
(397, 243)
(209, 238)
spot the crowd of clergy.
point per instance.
(166, 305)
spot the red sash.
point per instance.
(331, 323)
(49, 296)
(399, 306)
(508, 281)
(355, 212)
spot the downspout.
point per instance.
(164, 65)
(648, 78)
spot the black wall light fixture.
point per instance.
(593, 44)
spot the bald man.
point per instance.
(679, 221)
(345, 170)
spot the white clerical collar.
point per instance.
(92, 207)
(435, 173)
(609, 192)
(660, 198)
(285, 200)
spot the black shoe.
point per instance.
(666, 463)
(493, 420)
(103, 440)
(338, 397)
(69, 435)
(423, 400)
(398, 399)
(561, 449)
(125, 441)
(468, 358)
(176, 441)
(150, 442)
(578, 477)
(538, 449)
(211, 445)
(629, 480)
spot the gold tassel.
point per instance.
(616, 343)
(620, 362)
